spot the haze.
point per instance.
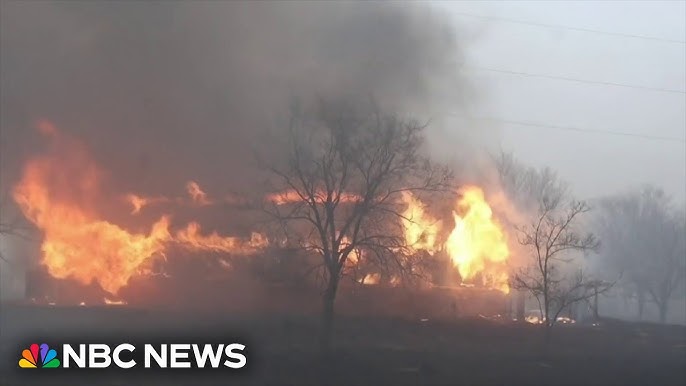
(594, 163)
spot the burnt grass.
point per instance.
(282, 349)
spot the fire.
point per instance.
(477, 245)
(191, 238)
(354, 255)
(139, 202)
(292, 196)
(59, 192)
(196, 193)
(76, 242)
(110, 302)
(371, 279)
(395, 281)
(421, 230)
(197, 197)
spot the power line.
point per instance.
(576, 80)
(576, 129)
(571, 28)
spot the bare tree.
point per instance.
(527, 187)
(645, 240)
(551, 238)
(341, 186)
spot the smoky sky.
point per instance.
(166, 92)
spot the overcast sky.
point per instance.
(595, 164)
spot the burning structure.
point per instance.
(99, 256)
(145, 182)
(90, 259)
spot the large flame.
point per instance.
(477, 245)
(421, 230)
(58, 192)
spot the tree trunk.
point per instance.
(546, 310)
(546, 315)
(641, 302)
(520, 306)
(596, 315)
(663, 311)
(328, 299)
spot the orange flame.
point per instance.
(477, 244)
(76, 242)
(371, 279)
(292, 196)
(197, 195)
(139, 202)
(115, 302)
(192, 239)
(58, 193)
(421, 230)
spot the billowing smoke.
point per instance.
(164, 92)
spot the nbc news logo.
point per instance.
(30, 357)
(125, 356)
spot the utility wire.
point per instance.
(569, 79)
(571, 28)
(577, 129)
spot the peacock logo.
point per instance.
(31, 360)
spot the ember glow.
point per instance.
(59, 191)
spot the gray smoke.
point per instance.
(165, 92)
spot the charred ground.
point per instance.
(370, 350)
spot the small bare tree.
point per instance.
(526, 187)
(550, 238)
(341, 186)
